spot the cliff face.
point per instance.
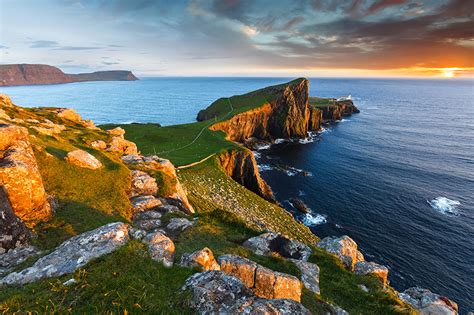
(33, 74)
(242, 167)
(285, 115)
(336, 112)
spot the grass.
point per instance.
(321, 102)
(125, 281)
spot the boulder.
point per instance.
(239, 267)
(343, 247)
(268, 243)
(161, 248)
(364, 268)
(145, 202)
(164, 166)
(264, 282)
(178, 225)
(309, 275)
(148, 225)
(147, 215)
(99, 144)
(119, 144)
(255, 305)
(13, 232)
(118, 131)
(83, 159)
(203, 259)
(73, 253)
(142, 184)
(20, 176)
(5, 100)
(68, 113)
(15, 257)
(214, 292)
(429, 303)
(299, 205)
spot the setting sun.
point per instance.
(449, 73)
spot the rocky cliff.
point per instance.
(33, 74)
(338, 110)
(242, 167)
(285, 114)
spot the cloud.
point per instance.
(383, 4)
(4, 47)
(109, 63)
(77, 48)
(43, 44)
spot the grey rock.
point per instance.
(343, 247)
(428, 303)
(15, 257)
(365, 268)
(178, 225)
(161, 248)
(137, 234)
(363, 288)
(256, 305)
(148, 225)
(73, 253)
(83, 159)
(309, 275)
(145, 202)
(147, 215)
(268, 243)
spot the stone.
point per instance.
(73, 254)
(136, 234)
(363, 287)
(161, 248)
(49, 128)
(203, 259)
(428, 303)
(119, 144)
(83, 159)
(148, 225)
(145, 202)
(15, 257)
(268, 243)
(118, 131)
(5, 100)
(142, 184)
(309, 275)
(13, 232)
(20, 176)
(264, 282)
(343, 247)
(164, 166)
(99, 144)
(256, 305)
(68, 113)
(147, 215)
(214, 292)
(178, 225)
(364, 268)
(69, 282)
(239, 267)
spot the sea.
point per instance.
(398, 177)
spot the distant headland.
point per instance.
(35, 74)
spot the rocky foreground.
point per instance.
(159, 214)
(33, 74)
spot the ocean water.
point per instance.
(398, 177)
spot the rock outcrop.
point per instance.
(365, 268)
(214, 292)
(309, 274)
(343, 247)
(203, 259)
(153, 163)
(32, 74)
(83, 159)
(20, 176)
(264, 282)
(338, 110)
(72, 254)
(429, 303)
(13, 232)
(242, 167)
(143, 184)
(268, 243)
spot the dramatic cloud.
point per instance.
(224, 37)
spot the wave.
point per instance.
(313, 220)
(445, 205)
(280, 140)
(264, 167)
(256, 154)
(263, 147)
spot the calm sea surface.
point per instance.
(398, 177)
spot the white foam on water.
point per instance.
(313, 220)
(263, 147)
(279, 140)
(257, 154)
(291, 173)
(301, 193)
(343, 120)
(264, 167)
(445, 205)
(306, 140)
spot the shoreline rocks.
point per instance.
(428, 303)
(343, 247)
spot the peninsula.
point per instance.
(176, 220)
(35, 74)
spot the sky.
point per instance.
(326, 38)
